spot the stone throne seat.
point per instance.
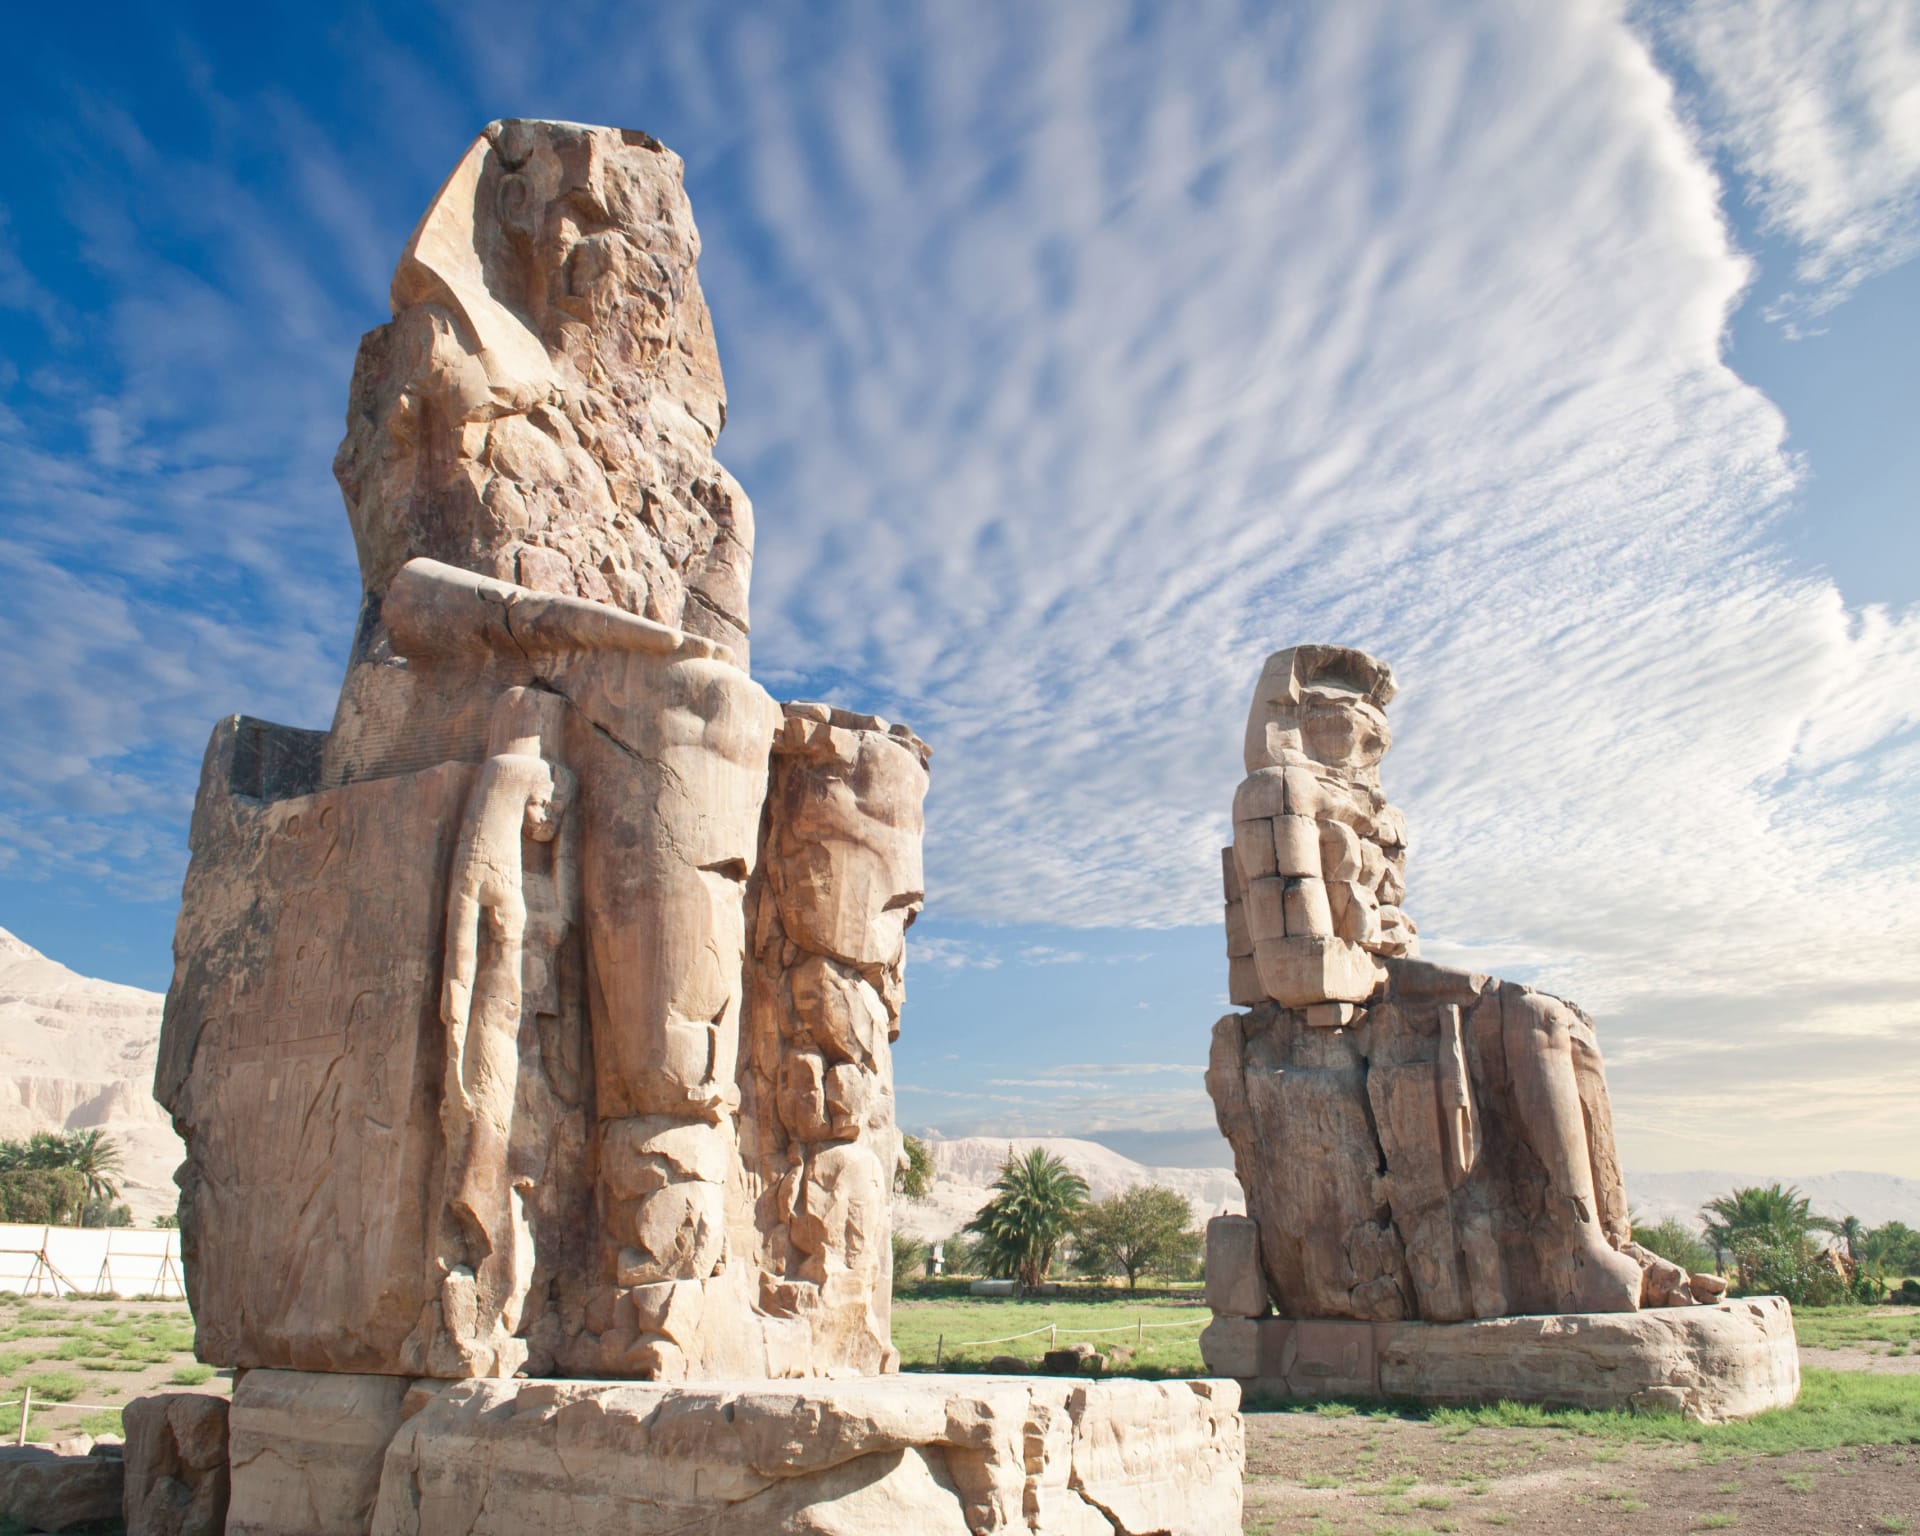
(536, 1019)
(1419, 1146)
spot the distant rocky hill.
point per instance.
(76, 1054)
(965, 1167)
(1875, 1198)
(964, 1170)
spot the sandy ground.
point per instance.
(99, 1389)
(1390, 1478)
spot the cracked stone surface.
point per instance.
(926, 1455)
(537, 1017)
(1415, 1142)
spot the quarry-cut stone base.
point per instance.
(916, 1455)
(1727, 1361)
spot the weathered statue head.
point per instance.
(544, 404)
(1320, 705)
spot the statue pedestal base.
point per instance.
(1726, 1361)
(918, 1455)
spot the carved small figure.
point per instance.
(506, 918)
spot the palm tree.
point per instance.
(1036, 1199)
(1766, 1213)
(93, 1156)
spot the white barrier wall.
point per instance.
(59, 1261)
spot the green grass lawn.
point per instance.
(1835, 1408)
(1104, 1319)
(1852, 1327)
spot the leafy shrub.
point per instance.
(909, 1259)
(1676, 1243)
(1797, 1270)
(56, 1386)
(192, 1375)
(102, 1211)
(42, 1196)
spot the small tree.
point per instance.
(166, 1223)
(93, 1155)
(1769, 1215)
(102, 1211)
(1035, 1203)
(1893, 1249)
(46, 1196)
(909, 1257)
(916, 1179)
(1145, 1230)
(1677, 1243)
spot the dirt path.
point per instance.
(1385, 1477)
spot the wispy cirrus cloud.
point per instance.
(1078, 358)
(1816, 105)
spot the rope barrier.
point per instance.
(41, 1404)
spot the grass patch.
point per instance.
(1892, 1525)
(1835, 1408)
(1714, 1522)
(1433, 1501)
(1849, 1327)
(104, 1421)
(56, 1387)
(1797, 1482)
(192, 1375)
(976, 1328)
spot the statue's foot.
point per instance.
(1605, 1280)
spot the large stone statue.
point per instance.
(1415, 1143)
(536, 1020)
(476, 1071)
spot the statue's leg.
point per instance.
(1594, 1276)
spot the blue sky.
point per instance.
(1564, 356)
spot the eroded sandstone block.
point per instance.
(537, 1016)
(1236, 1287)
(1415, 1142)
(306, 1450)
(1710, 1363)
(177, 1478)
(927, 1454)
(45, 1489)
